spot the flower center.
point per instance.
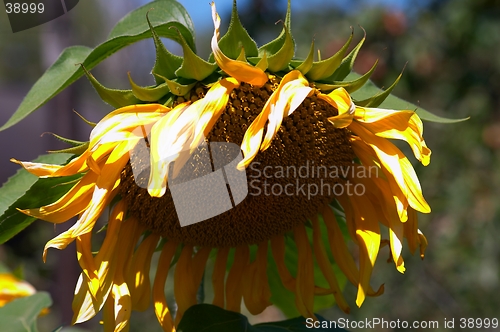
(287, 184)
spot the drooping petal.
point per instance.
(240, 70)
(85, 304)
(253, 136)
(72, 203)
(182, 283)
(293, 94)
(160, 302)
(304, 292)
(234, 279)
(326, 267)
(341, 100)
(137, 276)
(171, 135)
(368, 234)
(402, 125)
(218, 276)
(396, 166)
(256, 292)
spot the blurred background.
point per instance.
(450, 52)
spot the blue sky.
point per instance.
(201, 15)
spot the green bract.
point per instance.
(176, 76)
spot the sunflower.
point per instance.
(283, 114)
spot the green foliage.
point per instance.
(210, 318)
(132, 28)
(24, 190)
(325, 68)
(114, 97)
(237, 38)
(21, 314)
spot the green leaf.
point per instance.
(274, 46)
(148, 93)
(67, 140)
(17, 185)
(354, 81)
(20, 315)
(42, 192)
(307, 64)
(114, 97)
(76, 150)
(347, 63)
(194, 67)
(237, 38)
(132, 28)
(325, 68)
(393, 102)
(210, 318)
(280, 60)
(178, 88)
(166, 63)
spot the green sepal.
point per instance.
(193, 67)
(349, 85)
(114, 97)
(347, 63)
(379, 98)
(242, 57)
(179, 86)
(76, 150)
(280, 60)
(166, 63)
(274, 46)
(262, 63)
(148, 93)
(395, 103)
(307, 64)
(237, 38)
(90, 123)
(325, 68)
(67, 140)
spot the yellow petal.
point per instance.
(304, 291)
(403, 125)
(292, 95)
(210, 107)
(72, 203)
(234, 278)
(341, 100)
(219, 275)
(241, 71)
(256, 292)
(169, 137)
(368, 234)
(182, 286)
(396, 166)
(12, 288)
(85, 305)
(253, 136)
(138, 275)
(326, 266)
(160, 302)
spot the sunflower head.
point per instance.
(285, 117)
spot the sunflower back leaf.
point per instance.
(114, 97)
(166, 63)
(132, 28)
(325, 68)
(237, 38)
